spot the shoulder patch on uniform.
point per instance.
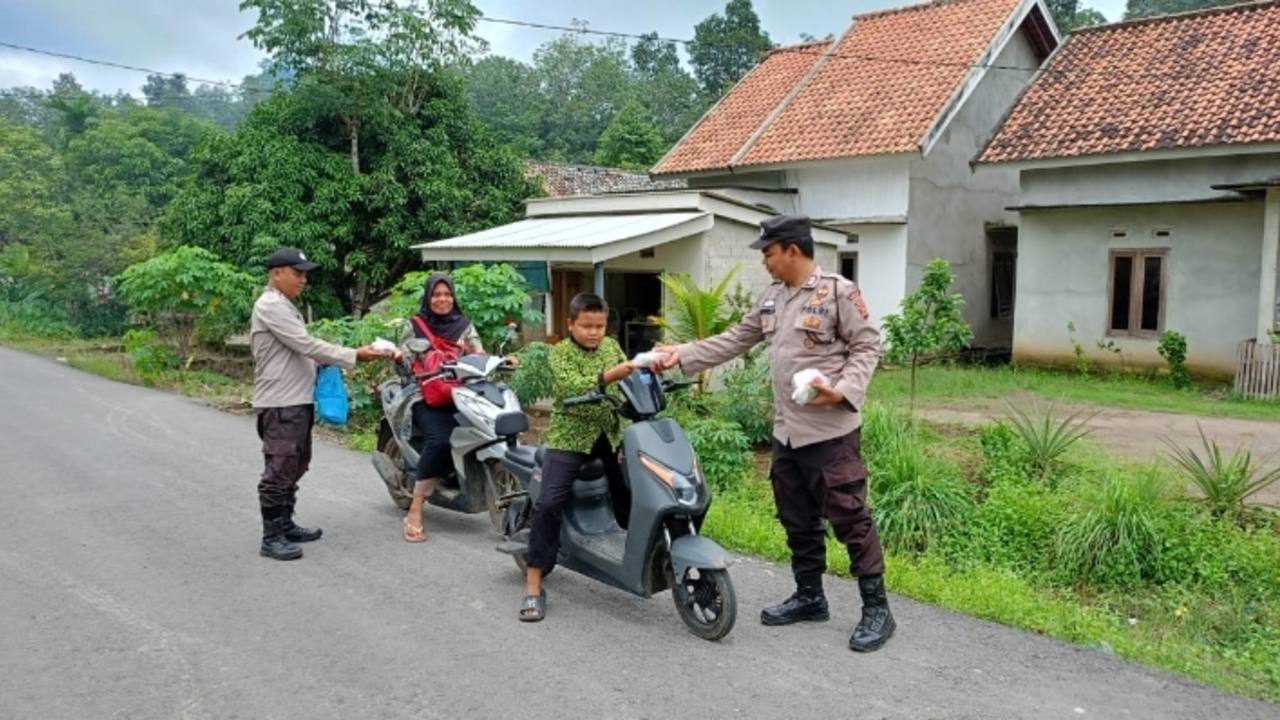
(855, 297)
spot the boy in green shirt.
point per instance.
(586, 360)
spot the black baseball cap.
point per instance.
(783, 228)
(290, 257)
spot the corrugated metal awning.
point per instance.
(585, 239)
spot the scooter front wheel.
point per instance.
(706, 602)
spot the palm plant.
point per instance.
(1225, 482)
(692, 313)
(1046, 436)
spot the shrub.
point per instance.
(187, 292)
(722, 449)
(917, 499)
(532, 380)
(1112, 536)
(493, 296)
(747, 399)
(931, 321)
(1225, 482)
(1173, 348)
(1014, 527)
(364, 379)
(150, 356)
(1214, 556)
(1003, 454)
(1046, 437)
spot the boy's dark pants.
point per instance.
(286, 450)
(559, 469)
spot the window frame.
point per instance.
(857, 264)
(1137, 280)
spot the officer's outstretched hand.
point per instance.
(827, 395)
(670, 360)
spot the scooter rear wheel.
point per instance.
(500, 482)
(400, 495)
(706, 602)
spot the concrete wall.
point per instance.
(858, 187)
(951, 206)
(882, 266)
(1150, 181)
(1212, 275)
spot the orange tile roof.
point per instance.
(883, 85)
(725, 128)
(1180, 81)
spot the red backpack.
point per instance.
(437, 392)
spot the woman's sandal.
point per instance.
(534, 607)
(413, 533)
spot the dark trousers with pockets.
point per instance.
(825, 479)
(286, 449)
(559, 469)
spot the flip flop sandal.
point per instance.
(413, 533)
(533, 608)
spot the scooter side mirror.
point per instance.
(418, 346)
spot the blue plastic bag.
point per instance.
(331, 395)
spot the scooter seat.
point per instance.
(592, 469)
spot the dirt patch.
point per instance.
(1139, 433)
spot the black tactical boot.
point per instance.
(877, 625)
(274, 543)
(807, 603)
(297, 533)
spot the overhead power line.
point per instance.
(123, 66)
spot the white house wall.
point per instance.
(951, 206)
(855, 188)
(882, 267)
(1212, 275)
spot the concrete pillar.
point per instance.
(548, 305)
(599, 279)
(1270, 266)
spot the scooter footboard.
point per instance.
(697, 552)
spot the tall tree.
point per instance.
(285, 177)
(667, 91)
(726, 46)
(631, 142)
(505, 95)
(584, 85)
(650, 57)
(1071, 14)
(1148, 8)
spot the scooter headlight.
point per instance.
(685, 488)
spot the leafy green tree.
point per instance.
(931, 321)
(584, 84)
(504, 94)
(1148, 8)
(188, 293)
(1071, 14)
(669, 94)
(32, 187)
(726, 46)
(631, 142)
(651, 57)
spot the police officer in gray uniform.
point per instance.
(284, 379)
(810, 319)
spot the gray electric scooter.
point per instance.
(477, 444)
(660, 548)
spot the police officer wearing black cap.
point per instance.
(811, 320)
(284, 377)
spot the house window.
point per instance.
(1136, 292)
(849, 265)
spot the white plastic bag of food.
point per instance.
(647, 359)
(802, 389)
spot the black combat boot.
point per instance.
(877, 625)
(297, 533)
(274, 543)
(807, 603)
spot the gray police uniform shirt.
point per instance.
(285, 356)
(823, 324)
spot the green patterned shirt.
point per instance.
(575, 371)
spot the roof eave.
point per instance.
(1045, 163)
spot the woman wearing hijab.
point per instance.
(442, 318)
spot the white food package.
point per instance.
(647, 359)
(802, 389)
(384, 346)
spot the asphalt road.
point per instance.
(131, 587)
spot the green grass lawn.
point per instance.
(987, 387)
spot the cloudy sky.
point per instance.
(199, 37)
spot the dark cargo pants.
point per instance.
(286, 450)
(825, 479)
